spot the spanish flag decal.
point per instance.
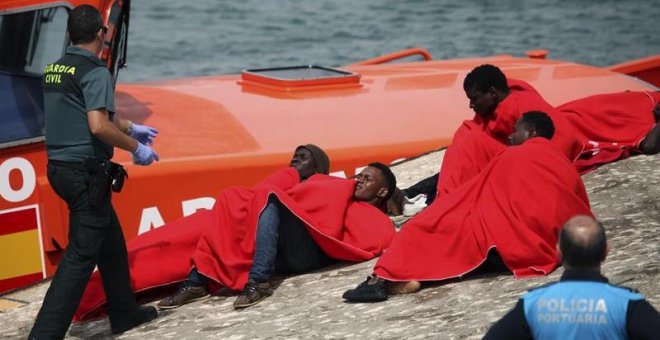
(21, 260)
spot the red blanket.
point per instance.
(477, 142)
(220, 242)
(517, 204)
(610, 126)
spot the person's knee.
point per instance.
(82, 253)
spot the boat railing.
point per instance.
(396, 56)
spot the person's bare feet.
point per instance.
(406, 287)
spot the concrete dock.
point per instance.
(624, 195)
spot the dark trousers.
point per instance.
(95, 238)
(284, 244)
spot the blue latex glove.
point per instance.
(144, 134)
(144, 155)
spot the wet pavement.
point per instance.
(624, 195)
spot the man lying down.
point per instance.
(296, 220)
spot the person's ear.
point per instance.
(382, 192)
(533, 133)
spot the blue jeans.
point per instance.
(196, 279)
(283, 243)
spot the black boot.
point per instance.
(140, 316)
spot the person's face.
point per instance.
(483, 103)
(303, 162)
(521, 133)
(371, 185)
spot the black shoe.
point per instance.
(187, 293)
(253, 293)
(140, 316)
(373, 289)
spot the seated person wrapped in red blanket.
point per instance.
(514, 207)
(590, 131)
(498, 103)
(336, 219)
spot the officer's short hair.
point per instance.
(484, 77)
(83, 24)
(587, 255)
(539, 121)
(390, 179)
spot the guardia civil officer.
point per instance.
(81, 132)
(582, 305)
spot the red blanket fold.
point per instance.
(517, 204)
(468, 154)
(220, 242)
(477, 142)
(610, 126)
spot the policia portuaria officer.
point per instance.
(583, 304)
(81, 131)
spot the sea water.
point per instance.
(174, 38)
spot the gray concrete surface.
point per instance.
(624, 195)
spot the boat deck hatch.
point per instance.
(300, 78)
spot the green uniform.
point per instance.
(74, 85)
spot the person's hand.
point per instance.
(395, 203)
(144, 134)
(144, 155)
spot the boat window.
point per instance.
(28, 41)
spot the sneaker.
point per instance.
(187, 293)
(253, 293)
(373, 289)
(141, 316)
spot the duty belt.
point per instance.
(85, 165)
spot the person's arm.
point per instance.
(512, 326)
(108, 132)
(395, 203)
(642, 320)
(427, 186)
(124, 125)
(99, 94)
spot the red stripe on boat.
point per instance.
(17, 221)
(19, 281)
